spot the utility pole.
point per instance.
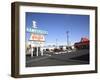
(67, 33)
(56, 43)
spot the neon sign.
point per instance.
(35, 30)
(34, 24)
(36, 37)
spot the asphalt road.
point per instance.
(72, 58)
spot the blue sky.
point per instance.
(58, 24)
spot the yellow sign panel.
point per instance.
(37, 37)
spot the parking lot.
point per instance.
(77, 57)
